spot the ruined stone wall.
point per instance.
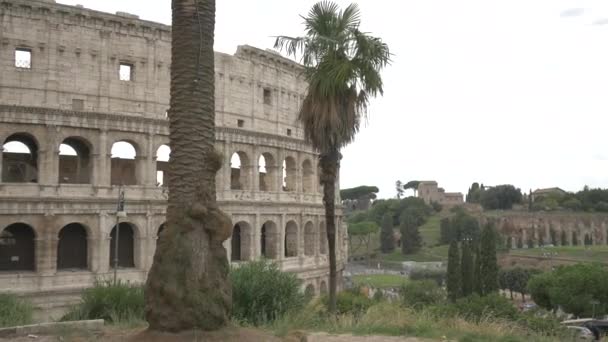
(72, 93)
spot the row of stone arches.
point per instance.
(269, 247)
(310, 291)
(18, 247)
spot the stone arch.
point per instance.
(309, 239)
(322, 238)
(310, 291)
(319, 174)
(291, 239)
(239, 171)
(18, 248)
(269, 240)
(123, 163)
(289, 174)
(163, 154)
(267, 170)
(240, 242)
(20, 159)
(307, 177)
(126, 245)
(75, 163)
(323, 287)
(72, 247)
(161, 228)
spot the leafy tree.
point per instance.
(474, 194)
(477, 281)
(446, 232)
(387, 239)
(421, 293)
(488, 262)
(516, 280)
(539, 287)
(342, 66)
(454, 281)
(410, 235)
(467, 269)
(362, 232)
(500, 197)
(399, 188)
(412, 185)
(190, 267)
(363, 191)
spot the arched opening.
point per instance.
(240, 242)
(323, 287)
(236, 243)
(268, 240)
(124, 165)
(322, 238)
(574, 239)
(17, 248)
(291, 239)
(319, 173)
(239, 178)
(158, 234)
(72, 247)
(162, 164)
(267, 172)
(307, 177)
(289, 174)
(309, 291)
(126, 246)
(309, 239)
(20, 159)
(74, 161)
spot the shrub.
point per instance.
(420, 293)
(351, 302)
(437, 275)
(476, 308)
(14, 311)
(114, 303)
(262, 293)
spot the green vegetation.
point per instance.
(379, 280)
(590, 200)
(363, 191)
(497, 197)
(14, 311)
(430, 231)
(488, 263)
(596, 253)
(387, 236)
(262, 293)
(516, 280)
(424, 254)
(421, 293)
(411, 241)
(119, 303)
(454, 281)
(580, 289)
(459, 227)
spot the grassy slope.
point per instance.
(379, 280)
(590, 254)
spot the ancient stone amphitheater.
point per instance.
(83, 103)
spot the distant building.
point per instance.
(546, 192)
(430, 192)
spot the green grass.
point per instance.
(430, 231)
(425, 254)
(379, 280)
(14, 310)
(580, 253)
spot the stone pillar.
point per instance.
(255, 170)
(150, 170)
(93, 257)
(256, 253)
(142, 167)
(281, 236)
(226, 169)
(103, 161)
(301, 236)
(105, 228)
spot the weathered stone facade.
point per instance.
(430, 192)
(75, 77)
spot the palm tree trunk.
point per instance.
(187, 286)
(330, 163)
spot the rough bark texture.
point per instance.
(330, 164)
(188, 286)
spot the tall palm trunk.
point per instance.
(188, 287)
(330, 164)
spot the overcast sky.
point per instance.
(510, 91)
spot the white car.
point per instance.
(580, 333)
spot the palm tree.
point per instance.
(342, 67)
(188, 287)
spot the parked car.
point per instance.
(580, 333)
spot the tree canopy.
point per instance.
(359, 192)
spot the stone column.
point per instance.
(94, 259)
(142, 167)
(281, 236)
(301, 236)
(226, 169)
(255, 236)
(151, 162)
(103, 247)
(255, 174)
(103, 161)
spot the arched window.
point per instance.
(20, 159)
(126, 245)
(268, 240)
(310, 291)
(319, 173)
(162, 164)
(72, 247)
(267, 172)
(240, 242)
(291, 239)
(289, 174)
(17, 248)
(74, 161)
(309, 239)
(322, 238)
(239, 175)
(323, 287)
(307, 177)
(124, 165)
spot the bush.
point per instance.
(476, 308)
(437, 275)
(351, 302)
(420, 293)
(14, 311)
(114, 303)
(261, 293)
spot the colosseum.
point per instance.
(83, 103)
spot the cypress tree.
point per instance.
(467, 269)
(477, 285)
(454, 283)
(488, 262)
(387, 239)
(411, 241)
